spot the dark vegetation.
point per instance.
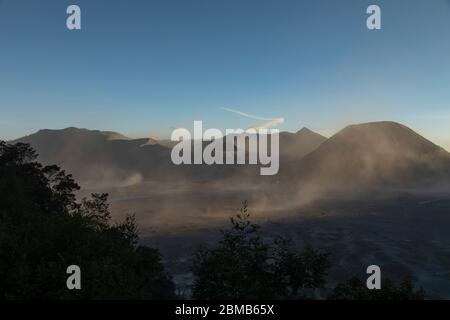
(244, 266)
(355, 289)
(43, 230)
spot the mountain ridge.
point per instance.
(368, 154)
(376, 153)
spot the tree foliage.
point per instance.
(245, 266)
(43, 230)
(356, 289)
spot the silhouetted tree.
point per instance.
(43, 230)
(356, 289)
(244, 266)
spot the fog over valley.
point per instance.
(377, 186)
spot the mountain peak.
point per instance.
(377, 154)
(68, 130)
(74, 131)
(385, 133)
(304, 130)
(378, 125)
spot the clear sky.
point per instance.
(145, 67)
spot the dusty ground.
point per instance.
(404, 234)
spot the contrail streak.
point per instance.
(268, 122)
(251, 116)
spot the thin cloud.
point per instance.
(268, 122)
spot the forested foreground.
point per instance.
(44, 229)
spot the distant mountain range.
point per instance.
(365, 155)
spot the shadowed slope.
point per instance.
(375, 154)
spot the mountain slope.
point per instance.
(376, 154)
(92, 155)
(299, 144)
(380, 154)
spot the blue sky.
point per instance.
(145, 67)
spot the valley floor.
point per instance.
(404, 233)
(404, 237)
